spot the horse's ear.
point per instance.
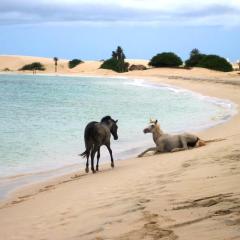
(116, 121)
(156, 121)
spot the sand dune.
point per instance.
(14, 63)
(186, 195)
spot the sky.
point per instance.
(90, 30)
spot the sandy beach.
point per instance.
(185, 195)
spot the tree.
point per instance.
(195, 57)
(33, 67)
(116, 62)
(215, 62)
(73, 63)
(194, 52)
(55, 59)
(114, 55)
(165, 59)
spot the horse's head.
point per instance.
(152, 127)
(112, 124)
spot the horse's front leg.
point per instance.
(110, 152)
(148, 150)
(177, 149)
(98, 157)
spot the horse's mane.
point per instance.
(158, 129)
(106, 119)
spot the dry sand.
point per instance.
(192, 194)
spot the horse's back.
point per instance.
(89, 129)
(95, 133)
(191, 139)
(169, 142)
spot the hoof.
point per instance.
(97, 169)
(93, 171)
(86, 170)
(112, 165)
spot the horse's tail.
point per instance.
(88, 146)
(201, 142)
(84, 154)
(215, 140)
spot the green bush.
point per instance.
(116, 62)
(73, 63)
(166, 59)
(115, 65)
(215, 62)
(195, 58)
(33, 66)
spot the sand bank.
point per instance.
(185, 195)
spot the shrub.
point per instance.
(195, 58)
(215, 62)
(166, 59)
(115, 65)
(33, 66)
(73, 63)
(116, 62)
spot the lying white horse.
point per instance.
(170, 143)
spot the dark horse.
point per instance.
(97, 134)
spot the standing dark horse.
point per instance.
(97, 134)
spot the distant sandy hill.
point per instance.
(14, 63)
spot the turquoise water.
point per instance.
(42, 118)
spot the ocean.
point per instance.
(42, 118)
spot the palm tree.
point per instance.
(114, 55)
(120, 54)
(55, 59)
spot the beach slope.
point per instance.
(185, 195)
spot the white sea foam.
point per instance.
(227, 108)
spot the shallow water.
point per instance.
(42, 118)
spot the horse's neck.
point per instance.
(107, 125)
(157, 133)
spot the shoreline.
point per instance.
(184, 195)
(30, 179)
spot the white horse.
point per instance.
(170, 143)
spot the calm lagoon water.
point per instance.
(42, 118)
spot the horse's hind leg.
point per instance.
(98, 157)
(92, 158)
(87, 162)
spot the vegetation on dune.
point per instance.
(33, 67)
(166, 59)
(74, 62)
(195, 58)
(116, 62)
(213, 62)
